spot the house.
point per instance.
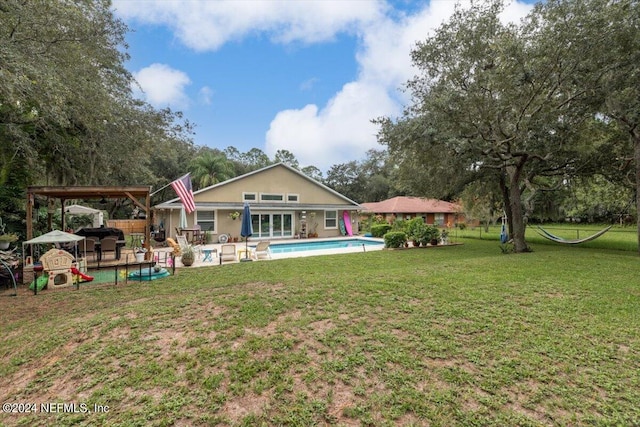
(284, 202)
(432, 211)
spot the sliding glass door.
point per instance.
(272, 225)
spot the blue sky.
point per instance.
(306, 76)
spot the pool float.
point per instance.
(347, 223)
(343, 230)
(149, 273)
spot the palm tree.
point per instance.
(210, 168)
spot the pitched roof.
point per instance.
(404, 204)
(176, 201)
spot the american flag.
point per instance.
(182, 187)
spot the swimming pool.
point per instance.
(306, 245)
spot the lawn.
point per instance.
(446, 336)
(618, 237)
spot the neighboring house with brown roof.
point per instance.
(432, 211)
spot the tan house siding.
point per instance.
(272, 181)
(283, 217)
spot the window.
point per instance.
(206, 220)
(330, 219)
(270, 197)
(439, 219)
(249, 197)
(292, 198)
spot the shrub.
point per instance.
(414, 228)
(378, 219)
(395, 239)
(398, 225)
(430, 232)
(379, 230)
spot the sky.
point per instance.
(299, 75)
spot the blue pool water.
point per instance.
(280, 248)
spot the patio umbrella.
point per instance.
(246, 230)
(183, 218)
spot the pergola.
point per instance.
(134, 193)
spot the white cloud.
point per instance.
(163, 86)
(341, 130)
(205, 95)
(308, 84)
(207, 25)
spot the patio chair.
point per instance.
(108, 244)
(198, 235)
(183, 243)
(262, 251)
(88, 247)
(228, 253)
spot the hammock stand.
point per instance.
(544, 233)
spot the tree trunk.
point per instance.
(515, 204)
(507, 203)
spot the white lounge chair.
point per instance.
(183, 242)
(262, 251)
(228, 253)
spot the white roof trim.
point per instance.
(164, 205)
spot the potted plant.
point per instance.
(444, 237)
(434, 235)
(6, 238)
(139, 254)
(234, 215)
(188, 256)
(414, 229)
(430, 235)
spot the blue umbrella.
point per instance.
(246, 230)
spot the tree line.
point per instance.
(514, 112)
(506, 117)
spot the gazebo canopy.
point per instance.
(55, 236)
(134, 193)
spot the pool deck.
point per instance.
(241, 245)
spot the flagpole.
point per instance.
(162, 188)
(159, 190)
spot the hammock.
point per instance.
(557, 239)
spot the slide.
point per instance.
(42, 282)
(347, 223)
(83, 276)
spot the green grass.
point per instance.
(622, 238)
(446, 336)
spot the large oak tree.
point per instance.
(501, 102)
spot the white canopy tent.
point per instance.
(52, 237)
(98, 215)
